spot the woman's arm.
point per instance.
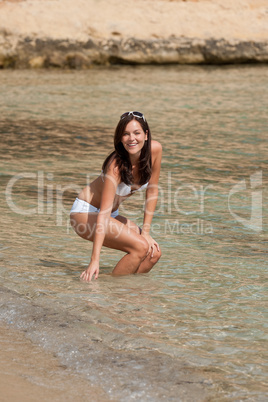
(152, 192)
(108, 193)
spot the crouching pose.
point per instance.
(133, 166)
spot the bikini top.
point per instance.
(124, 189)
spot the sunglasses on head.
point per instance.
(135, 114)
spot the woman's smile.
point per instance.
(134, 137)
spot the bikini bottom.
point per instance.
(84, 207)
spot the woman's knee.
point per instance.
(156, 256)
(142, 249)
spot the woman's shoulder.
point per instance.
(156, 146)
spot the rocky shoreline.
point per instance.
(29, 37)
(39, 53)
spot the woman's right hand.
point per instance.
(92, 269)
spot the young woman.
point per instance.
(134, 165)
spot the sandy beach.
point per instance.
(32, 369)
(28, 373)
(77, 20)
(78, 33)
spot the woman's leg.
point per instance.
(148, 263)
(118, 236)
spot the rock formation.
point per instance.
(80, 33)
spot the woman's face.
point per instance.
(133, 138)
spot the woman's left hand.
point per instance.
(151, 243)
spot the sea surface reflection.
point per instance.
(205, 302)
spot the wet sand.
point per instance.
(49, 371)
(28, 373)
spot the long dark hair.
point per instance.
(121, 155)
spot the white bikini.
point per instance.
(81, 206)
(123, 189)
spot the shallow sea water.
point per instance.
(201, 312)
